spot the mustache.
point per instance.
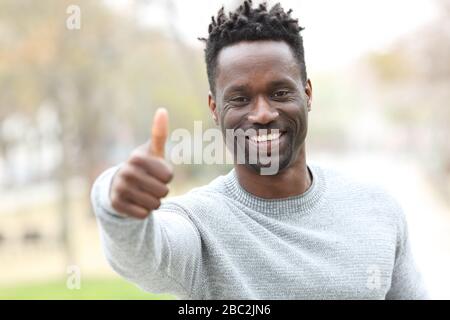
(267, 128)
(240, 132)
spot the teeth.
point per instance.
(264, 137)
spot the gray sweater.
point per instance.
(339, 240)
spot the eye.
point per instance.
(281, 93)
(240, 99)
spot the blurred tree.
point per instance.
(414, 79)
(104, 80)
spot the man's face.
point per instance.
(259, 86)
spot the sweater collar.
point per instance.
(302, 203)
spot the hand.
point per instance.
(141, 182)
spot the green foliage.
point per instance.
(91, 289)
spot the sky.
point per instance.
(336, 32)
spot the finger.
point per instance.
(160, 131)
(132, 210)
(153, 167)
(142, 199)
(147, 182)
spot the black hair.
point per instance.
(251, 24)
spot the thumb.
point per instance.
(160, 131)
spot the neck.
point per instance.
(291, 181)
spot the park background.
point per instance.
(76, 101)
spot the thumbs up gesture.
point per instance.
(141, 182)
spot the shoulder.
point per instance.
(340, 183)
(202, 198)
(354, 191)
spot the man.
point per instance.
(302, 233)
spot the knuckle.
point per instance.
(120, 189)
(169, 175)
(116, 203)
(128, 174)
(165, 191)
(137, 158)
(166, 175)
(165, 172)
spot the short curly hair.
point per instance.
(247, 23)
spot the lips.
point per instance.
(267, 143)
(265, 137)
(260, 137)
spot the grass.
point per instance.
(94, 288)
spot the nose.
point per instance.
(262, 113)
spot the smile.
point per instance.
(265, 137)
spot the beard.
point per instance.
(267, 162)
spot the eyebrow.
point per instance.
(272, 84)
(282, 82)
(235, 88)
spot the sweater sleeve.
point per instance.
(160, 254)
(407, 282)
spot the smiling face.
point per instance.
(259, 86)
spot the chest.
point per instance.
(303, 263)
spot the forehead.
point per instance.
(261, 60)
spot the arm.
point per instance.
(158, 249)
(407, 282)
(161, 253)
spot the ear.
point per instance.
(213, 108)
(309, 94)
